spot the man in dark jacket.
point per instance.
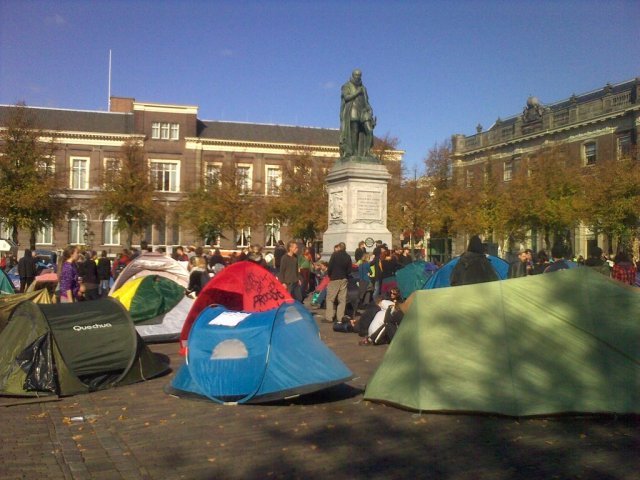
(104, 273)
(88, 271)
(26, 270)
(339, 270)
(473, 266)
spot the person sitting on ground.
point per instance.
(384, 324)
(473, 266)
(623, 269)
(559, 263)
(215, 259)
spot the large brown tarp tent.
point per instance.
(567, 341)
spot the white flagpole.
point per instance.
(109, 92)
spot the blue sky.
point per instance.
(432, 68)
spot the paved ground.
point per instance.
(139, 432)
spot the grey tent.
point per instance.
(72, 348)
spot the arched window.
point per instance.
(110, 233)
(77, 229)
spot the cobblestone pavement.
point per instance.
(139, 432)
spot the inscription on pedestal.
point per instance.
(368, 206)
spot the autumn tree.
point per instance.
(129, 192)
(442, 191)
(612, 198)
(31, 194)
(224, 201)
(547, 194)
(384, 149)
(302, 200)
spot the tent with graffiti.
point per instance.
(243, 286)
(441, 278)
(259, 356)
(152, 288)
(65, 349)
(542, 344)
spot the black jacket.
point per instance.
(472, 268)
(340, 265)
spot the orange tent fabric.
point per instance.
(243, 286)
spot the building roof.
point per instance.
(575, 99)
(255, 132)
(75, 120)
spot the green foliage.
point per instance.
(222, 203)
(128, 193)
(612, 197)
(31, 194)
(302, 203)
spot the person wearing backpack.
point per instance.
(473, 266)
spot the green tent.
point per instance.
(6, 287)
(72, 348)
(567, 341)
(9, 302)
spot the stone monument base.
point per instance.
(357, 194)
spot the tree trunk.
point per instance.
(14, 233)
(32, 240)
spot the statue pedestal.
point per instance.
(357, 194)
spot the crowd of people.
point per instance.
(358, 294)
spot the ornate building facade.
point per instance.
(181, 149)
(598, 126)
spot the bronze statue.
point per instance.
(356, 121)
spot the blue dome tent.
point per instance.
(249, 357)
(441, 278)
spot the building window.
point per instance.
(624, 145)
(590, 153)
(111, 166)
(165, 131)
(469, 180)
(244, 178)
(47, 166)
(175, 131)
(212, 172)
(274, 180)
(273, 233)
(45, 235)
(164, 175)
(214, 242)
(507, 173)
(77, 227)
(110, 233)
(79, 173)
(244, 238)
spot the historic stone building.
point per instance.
(181, 149)
(593, 127)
